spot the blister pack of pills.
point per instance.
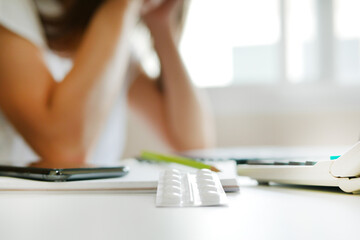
(184, 189)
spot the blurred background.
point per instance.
(277, 72)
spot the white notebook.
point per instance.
(143, 177)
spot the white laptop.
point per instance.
(342, 172)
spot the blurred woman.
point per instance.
(66, 70)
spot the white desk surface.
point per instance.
(257, 212)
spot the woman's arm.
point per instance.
(178, 110)
(62, 120)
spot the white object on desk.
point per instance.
(182, 189)
(343, 172)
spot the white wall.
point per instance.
(289, 116)
(288, 129)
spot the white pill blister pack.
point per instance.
(184, 189)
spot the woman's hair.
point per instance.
(65, 30)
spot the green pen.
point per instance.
(176, 159)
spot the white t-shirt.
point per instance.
(21, 17)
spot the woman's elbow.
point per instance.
(63, 150)
(62, 158)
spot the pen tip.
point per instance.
(214, 169)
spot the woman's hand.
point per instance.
(161, 13)
(184, 121)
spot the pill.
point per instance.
(202, 171)
(176, 177)
(207, 188)
(172, 189)
(172, 173)
(172, 182)
(172, 177)
(172, 198)
(208, 182)
(211, 197)
(208, 177)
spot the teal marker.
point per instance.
(334, 157)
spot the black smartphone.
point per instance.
(63, 174)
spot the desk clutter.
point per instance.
(183, 189)
(142, 177)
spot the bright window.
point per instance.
(229, 42)
(347, 36)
